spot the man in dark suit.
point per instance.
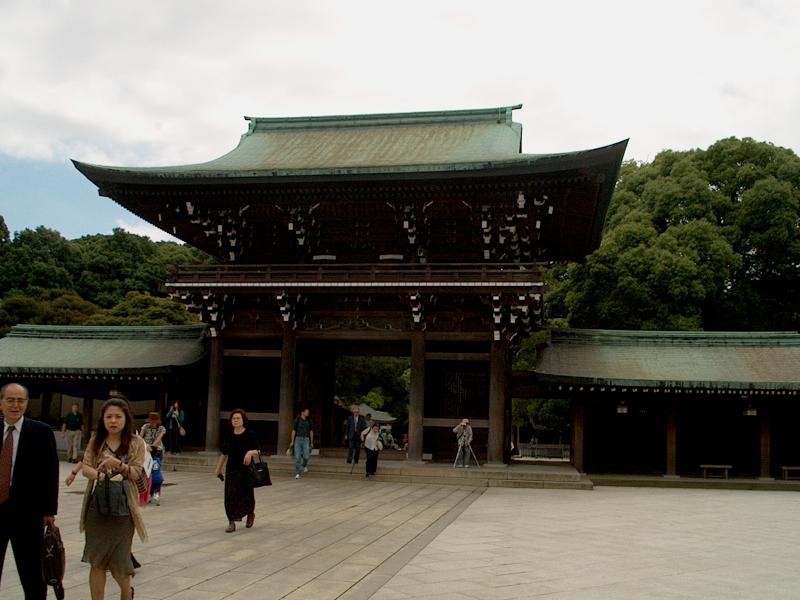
(355, 425)
(28, 488)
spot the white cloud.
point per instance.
(144, 228)
(150, 82)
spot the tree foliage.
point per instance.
(100, 279)
(547, 418)
(703, 239)
(381, 382)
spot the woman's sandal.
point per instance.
(251, 518)
(231, 527)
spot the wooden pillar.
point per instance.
(215, 363)
(578, 433)
(47, 403)
(672, 438)
(497, 401)
(416, 396)
(765, 445)
(288, 379)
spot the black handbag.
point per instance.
(53, 560)
(110, 498)
(258, 473)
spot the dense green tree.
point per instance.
(546, 418)
(143, 309)
(382, 382)
(38, 259)
(113, 265)
(5, 237)
(47, 279)
(693, 240)
(45, 307)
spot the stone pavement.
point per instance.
(328, 538)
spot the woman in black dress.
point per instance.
(238, 450)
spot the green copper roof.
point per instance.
(99, 350)
(419, 142)
(758, 360)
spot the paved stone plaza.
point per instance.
(328, 538)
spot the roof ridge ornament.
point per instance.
(501, 114)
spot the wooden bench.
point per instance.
(722, 468)
(786, 470)
(560, 451)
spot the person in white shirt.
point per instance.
(28, 488)
(372, 444)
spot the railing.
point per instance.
(332, 273)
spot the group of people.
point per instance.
(113, 461)
(113, 464)
(360, 430)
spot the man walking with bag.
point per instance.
(28, 488)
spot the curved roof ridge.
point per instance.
(107, 331)
(500, 114)
(698, 338)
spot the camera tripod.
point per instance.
(461, 448)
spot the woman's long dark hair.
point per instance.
(102, 433)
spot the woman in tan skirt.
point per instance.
(114, 453)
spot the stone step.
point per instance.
(518, 476)
(342, 453)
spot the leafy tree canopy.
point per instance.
(143, 309)
(382, 382)
(703, 239)
(99, 279)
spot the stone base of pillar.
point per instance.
(671, 476)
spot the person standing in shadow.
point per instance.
(355, 425)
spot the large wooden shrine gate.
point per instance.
(418, 234)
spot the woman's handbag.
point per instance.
(181, 430)
(110, 498)
(258, 473)
(53, 560)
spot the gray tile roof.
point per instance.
(757, 360)
(99, 350)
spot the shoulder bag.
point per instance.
(110, 498)
(258, 473)
(181, 430)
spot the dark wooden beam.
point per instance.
(497, 401)
(416, 400)
(287, 392)
(216, 354)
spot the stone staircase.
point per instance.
(559, 476)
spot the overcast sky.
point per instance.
(168, 82)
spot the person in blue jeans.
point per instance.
(303, 441)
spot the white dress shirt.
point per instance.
(17, 427)
(372, 441)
